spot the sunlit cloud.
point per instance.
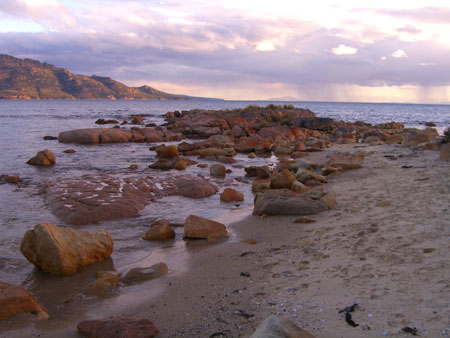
(344, 50)
(399, 53)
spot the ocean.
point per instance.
(24, 123)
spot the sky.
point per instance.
(322, 50)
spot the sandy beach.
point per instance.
(384, 246)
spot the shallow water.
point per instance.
(22, 127)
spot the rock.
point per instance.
(167, 151)
(106, 281)
(304, 164)
(258, 171)
(260, 185)
(10, 179)
(194, 187)
(178, 163)
(315, 123)
(252, 155)
(217, 170)
(222, 159)
(373, 140)
(63, 251)
(103, 121)
(445, 152)
(137, 119)
(44, 157)
(133, 167)
(214, 152)
(95, 136)
(304, 220)
(250, 241)
(299, 187)
(15, 299)
(70, 151)
(283, 179)
(124, 327)
(231, 195)
(304, 175)
(200, 227)
(430, 124)
(159, 231)
(416, 136)
(181, 164)
(238, 131)
(286, 202)
(214, 237)
(329, 199)
(390, 125)
(344, 162)
(139, 275)
(279, 150)
(50, 138)
(328, 170)
(274, 327)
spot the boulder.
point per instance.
(416, 136)
(63, 251)
(103, 121)
(95, 136)
(137, 119)
(282, 180)
(159, 231)
(124, 327)
(329, 199)
(178, 163)
(215, 152)
(167, 151)
(445, 152)
(258, 171)
(231, 195)
(274, 327)
(286, 202)
(50, 138)
(15, 299)
(304, 164)
(194, 187)
(139, 275)
(106, 281)
(300, 188)
(304, 175)
(44, 157)
(260, 185)
(200, 227)
(217, 170)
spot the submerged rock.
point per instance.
(286, 202)
(274, 327)
(63, 251)
(44, 158)
(124, 327)
(15, 299)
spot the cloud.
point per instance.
(344, 50)
(399, 53)
(438, 15)
(409, 29)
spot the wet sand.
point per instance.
(384, 246)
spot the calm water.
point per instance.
(24, 123)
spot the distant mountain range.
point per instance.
(30, 79)
(283, 98)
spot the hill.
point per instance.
(31, 79)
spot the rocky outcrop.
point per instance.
(274, 327)
(124, 327)
(116, 135)
(416, 136)
(43, 158)
(200, 227)
(63, 251)
(139, 275)
(93, 198)
(15, 299)
(286, 202)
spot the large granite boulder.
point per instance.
(63, 251)
(44, 158)
(286, 202)
(95, 136)
(274, 327)
(125, 327)
(15, 299)
(200, 227)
